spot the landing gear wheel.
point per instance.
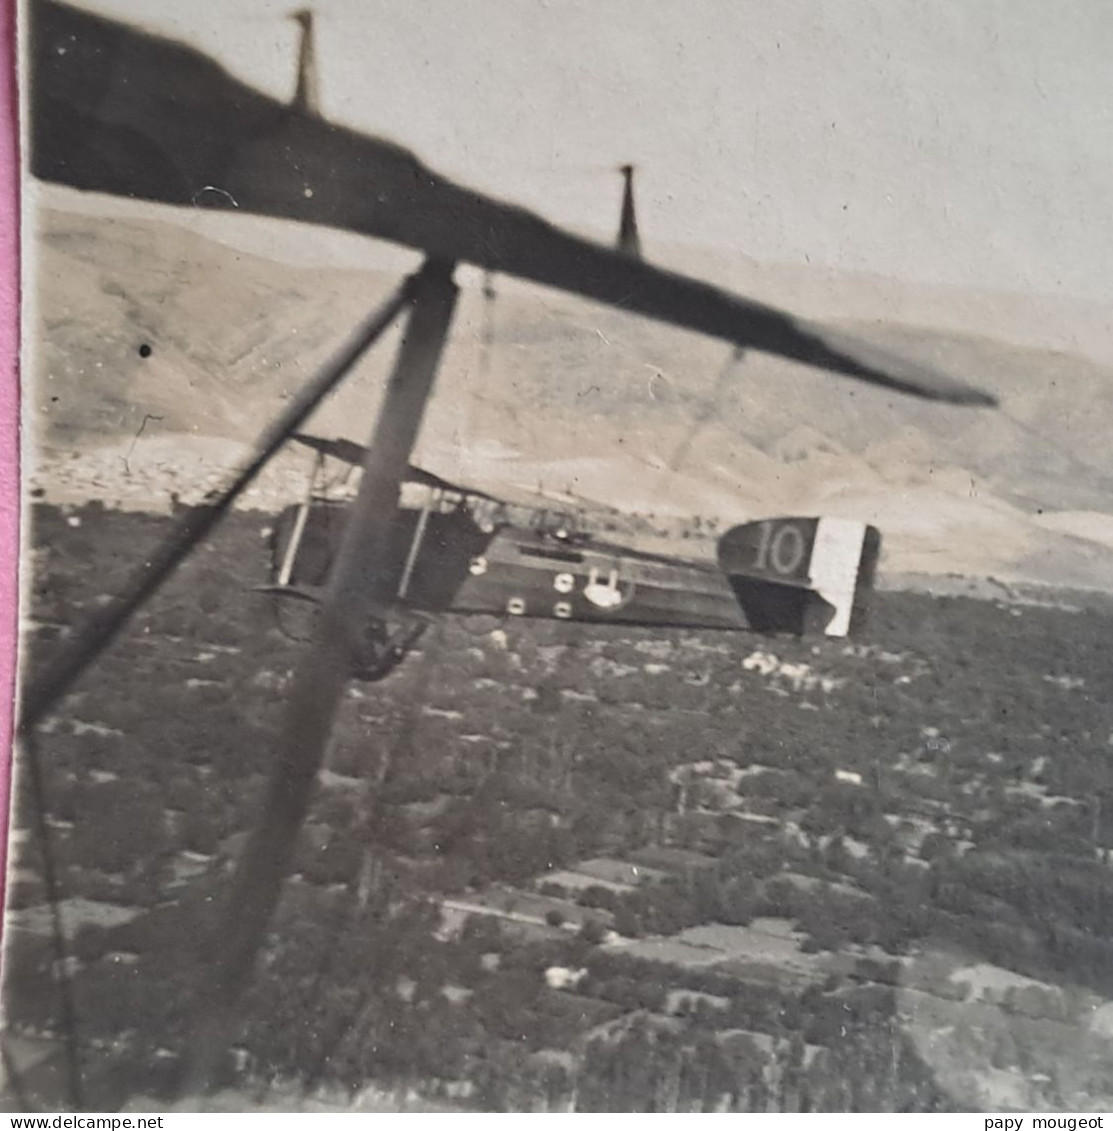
(384, 647)
(297, 620)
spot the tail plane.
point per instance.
(801, 575)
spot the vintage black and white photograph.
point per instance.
(567, 558)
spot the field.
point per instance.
(891, 857)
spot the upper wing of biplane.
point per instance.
(348, 451)
(117, 110)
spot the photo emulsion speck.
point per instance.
(567, 560)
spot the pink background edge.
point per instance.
(9, 407)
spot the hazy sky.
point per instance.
(966, 143)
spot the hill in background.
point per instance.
(541, 390)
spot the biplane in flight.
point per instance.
(115, 109)
(457, 549)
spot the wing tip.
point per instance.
(971, 396)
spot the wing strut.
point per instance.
(95, 635)
(359, 585)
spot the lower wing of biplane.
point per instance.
(463, 551)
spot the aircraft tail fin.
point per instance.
(801, 575)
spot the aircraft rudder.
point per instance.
(802, 575)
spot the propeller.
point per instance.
(118, 110)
